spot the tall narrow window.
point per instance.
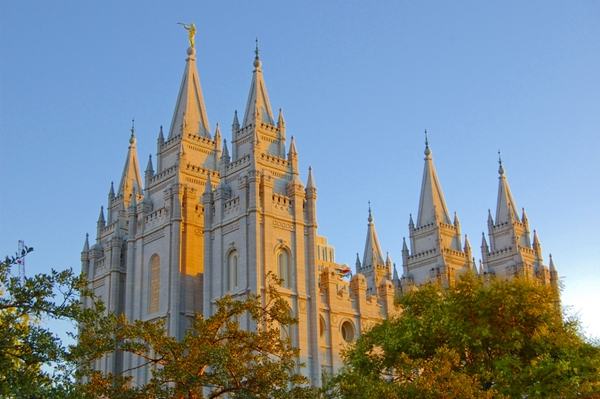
(232, 271)
(154, 284)
(284, 268)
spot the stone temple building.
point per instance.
(211, 216)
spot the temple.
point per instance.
(212, 216)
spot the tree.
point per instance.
(474, 339)
(215, 357)
(32, 358)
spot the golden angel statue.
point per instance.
(191, 32)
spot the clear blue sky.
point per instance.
(358, 82)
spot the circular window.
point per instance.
(347, 331)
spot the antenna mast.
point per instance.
(21, 260)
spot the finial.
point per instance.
(257, 62)
(370, 219)
(132, 138)
(500, 169)
(427, 150)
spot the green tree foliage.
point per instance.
(474, 339)
(216, 356)
(32, 358)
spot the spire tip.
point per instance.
(257, 62)
(427, 150)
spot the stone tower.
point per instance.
(209, 222)
(148, 260)
(209, 219)
(511, 251)
(436, 253)
(373, 267)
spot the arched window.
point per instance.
(322, 326)
(154, 289)
(232, 270)
(284, 268)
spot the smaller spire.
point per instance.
(411, 223)
(467, 247)
(280, 120)
(524, 218)
(484, 244)
(310, 183)
(149, 168)
(475, 271)
(405, 255)
(481, 271)
(86, 244)
(236, 124)
(358, 265)
(537, 246)
(101, 219)
(111, 192)
(208, 188)
(552, 267)
(225, 156)
(292, 152)
(456, 221)
(161, 137)
(217, 133)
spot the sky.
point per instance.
(358, 82)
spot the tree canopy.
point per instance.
(32, 358)
(216, 356)
(474, 339)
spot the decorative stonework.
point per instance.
(283, 225)
(231, 227)
(154, 236)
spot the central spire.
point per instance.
(372, 255)
(258, 106)
(190, 113)
(506, 210)
(432, 205)
(131, 178)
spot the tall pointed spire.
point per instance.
(131, 177)
(190, 113)
(258, 104)
(506, 210)
(432, 205)
(372, 255)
